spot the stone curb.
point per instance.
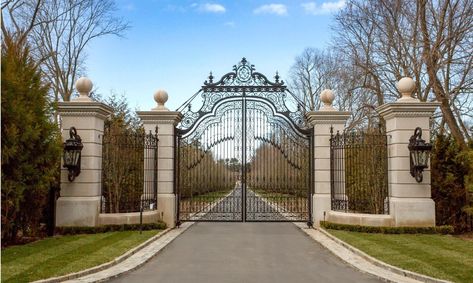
(105, 265)
(394, 269)
(354, 260)
(377, 262)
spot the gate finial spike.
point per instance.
(211, 78)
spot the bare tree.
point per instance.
(315, 70)
(59, 33)
(447, 37)
(308, 77)
(355, 36)
(20, 28)
(347, 82)
(387, 40)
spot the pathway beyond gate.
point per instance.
(245, 252)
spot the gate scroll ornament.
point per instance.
(243, 156)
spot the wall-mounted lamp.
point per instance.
(419, 154)
(72, 153)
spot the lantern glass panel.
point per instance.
(68, 157)
(76, 156)
(415, 157)
(424, 156)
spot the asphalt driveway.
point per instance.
(245, 252)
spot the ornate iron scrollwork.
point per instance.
(244, 79)
(243, 155)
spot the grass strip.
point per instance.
(440, 256)
(62, 255)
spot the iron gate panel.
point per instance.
(129, 175)
(210, 167)
(359, 171)
(243, 156)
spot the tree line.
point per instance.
(43, 54)
(377, 42)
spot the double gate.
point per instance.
(243, 156)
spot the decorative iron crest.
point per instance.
(244, 80)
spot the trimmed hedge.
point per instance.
(447, 229)
(72, 230)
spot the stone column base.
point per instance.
(320, 203)
(128, 218)
(167, 208)
(360, 219)
(419, 212)
(77, 211)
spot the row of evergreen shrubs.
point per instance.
(73, 230)
(446, 229)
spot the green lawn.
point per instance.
(204, 198)
(440, 256)
(65, 254)
(211, 196)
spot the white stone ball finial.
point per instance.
(327, 97)
(161, 96)
(406, 87)
(84, 87)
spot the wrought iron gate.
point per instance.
(129, 175)
(243, 156)
(359, 171)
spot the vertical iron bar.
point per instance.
(156, 156)
(243, 156)
(311, 176)
(385, 174)
(332, 170)
(177, 176)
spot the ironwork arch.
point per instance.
(243, 155)
(242, 81)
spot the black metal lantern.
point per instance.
(72, 153)
(419, 154)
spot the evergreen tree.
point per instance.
(451, 169)
(30, 141)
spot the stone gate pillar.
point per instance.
(166, 122)
(410, 203)
(322, 120)
(79, 201)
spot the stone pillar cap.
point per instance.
(160, 96)
(327, 97)
(84, 87)
(406, 87)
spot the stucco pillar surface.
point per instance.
(166, 122)
(79, 201)
(322, 121)
(410, 203)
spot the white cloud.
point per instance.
(324, 8)
(229, 24)
(211, 8)
(277, 9)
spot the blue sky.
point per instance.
(174, 44)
